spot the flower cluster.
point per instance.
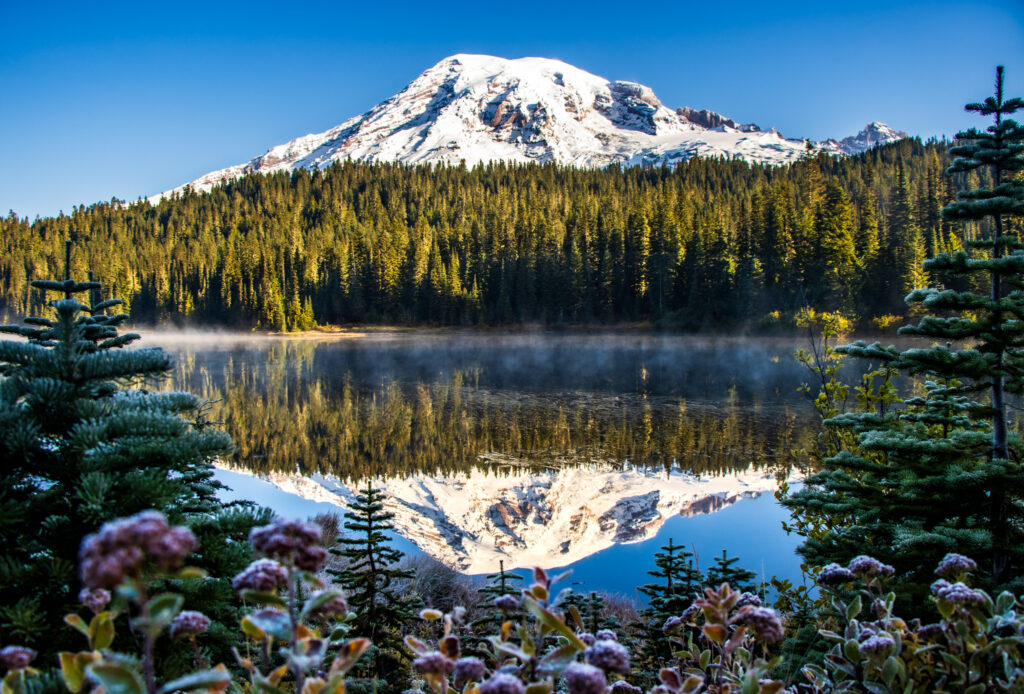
(609, 655)
(189, 623)
(581, 678)
(263, 575)
(955, 566)
(291, 542)
(834, 575)
(124, 548)
(762, 621)
(867, 568)
(96, 599)
(16, 657)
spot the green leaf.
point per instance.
(163, 608)
(554, 663)
(545, 687)
(274, 623)
(101, 631)
(317, 601)
(552, 622)
(853, 609)
(251, 630)
(73, 674)
(117, 678)
(261, 598)
(78, 623)
(217, 678)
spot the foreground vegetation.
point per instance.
(933, 476)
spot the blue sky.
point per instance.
(109, 100)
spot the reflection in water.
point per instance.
(399, 408)
(533, 450)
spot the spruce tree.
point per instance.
(940, 474)
(500, 583)
(83, 442)
(726, 571)
(371, 581)
(679, 583)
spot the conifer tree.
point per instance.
(726, 571)
(371, 580)
(81, 443)
(498, 584)
(679, 582)
(941, 474)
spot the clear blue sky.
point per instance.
(106, 100)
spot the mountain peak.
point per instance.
(477, 108)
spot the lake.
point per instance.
(579, 451)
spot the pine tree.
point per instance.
(79, 446)
(941, 474)
(725, 571)
(498, 584)
(371, 580)
(679, 583)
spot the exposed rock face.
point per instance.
(550, 518)
(477, 108)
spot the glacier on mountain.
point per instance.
(478, 108)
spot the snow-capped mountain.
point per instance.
(551, 518)
(478, 108)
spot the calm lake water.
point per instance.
(587, 452)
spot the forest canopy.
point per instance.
(710, 244)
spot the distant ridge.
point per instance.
(478, 108)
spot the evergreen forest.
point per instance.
(708, 245)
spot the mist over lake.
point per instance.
(580, 451)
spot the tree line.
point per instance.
(708, 244)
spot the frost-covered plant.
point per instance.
(306, 633)
(975, 647)
(131, 556)
(723, 645)
(533, 655)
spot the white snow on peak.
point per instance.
(479, 108)
(550, 518)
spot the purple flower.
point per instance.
(747, 599)
(95, 599)
(762, 621)
(16, 657)
(866, 567)
(469, 670)
(433, 662)
(507, 603)
(263, 575)
(960, 594)
(581, 678)
(122, 548)
(834, 575)
(623, 687)
(939, 585)
(881, 645)
(188, 623)
(606, 635)
(587, 638)
(672, 623)
(954, 566)
(502, 683)
(610, 656)
(290, 542)
(690, 613)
